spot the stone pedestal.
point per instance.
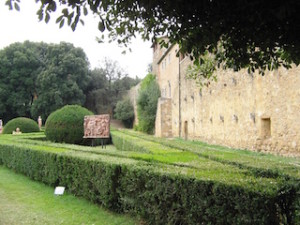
(40, 122)
(1, 124)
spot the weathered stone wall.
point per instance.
(167, 71)
(244, 110)
(240, 110)
(163, 120)
(158, 53)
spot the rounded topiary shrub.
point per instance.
(26, 125)
(66, 124)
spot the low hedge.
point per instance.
(171, 199)
(26, 125)
(259, 164)
(93, 180)
(158, 193)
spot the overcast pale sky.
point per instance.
(24, 25)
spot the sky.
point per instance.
(24, 25)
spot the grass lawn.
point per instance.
(23, 201)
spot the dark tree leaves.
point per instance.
(241, 33)
(37, 78)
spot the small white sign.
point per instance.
(59, 190)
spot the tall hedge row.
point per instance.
(159, 197)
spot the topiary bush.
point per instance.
(26, 125)
(66, 124)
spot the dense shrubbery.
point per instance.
(158, 197)
(66, 124)
(258, 164)
(26, 125)
(147, 104)
(160, 193)
(124, 111)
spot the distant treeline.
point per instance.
(38, 78)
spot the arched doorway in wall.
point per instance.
(185, 130)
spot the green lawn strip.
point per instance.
(259, 163)
(24, 201)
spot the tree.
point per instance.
(240, 33)
(124, 111)
(63, 80)
(107, 86)
(147, 103)
(19, 66)
(96, 91)
(38, 78)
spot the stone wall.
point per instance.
(163, 120)
(240, 110)
(244, 110)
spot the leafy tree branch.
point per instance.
(254, 34)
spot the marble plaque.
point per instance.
(97, 126)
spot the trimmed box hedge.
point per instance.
(65, 125)
(160, 193)
(260, 164)
(25, 125)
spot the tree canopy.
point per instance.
(62, 81)
(19, 67)
(240, 33)
(38, 78)
(108, 84)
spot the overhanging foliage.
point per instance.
(253, 34)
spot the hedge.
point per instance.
(25, 125)
(260, 164)
(66, 124)
(160, 194)
(165, 199)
